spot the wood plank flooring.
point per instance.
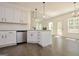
(59, 47)
(26, 49)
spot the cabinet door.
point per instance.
(31, 36)
(1, 38)
(25, 17)
(19, 16)
(7, 38)
(16, 17)
(1, 13)
(46, 38)
(10, 37)
(9, 14)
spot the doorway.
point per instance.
(59, 29)
(50, 27)
(59, 40)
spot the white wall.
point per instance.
(13, 27)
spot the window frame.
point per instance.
(73, 25)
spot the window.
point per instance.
(38, 24)
(59, 28)
(73, 25)
(50, 26)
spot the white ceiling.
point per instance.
(52, 8)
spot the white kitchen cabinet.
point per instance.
(10, 36)
(21, 16)
(43, 38)
(7, 38)
(13, 15)
(1, 37)
(9, 14)
(25, 17)
(2, 14)
(32, 37)
(6, 14)
(18, 15)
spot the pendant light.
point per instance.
(75, 12)
(44, 10)
(36, 15)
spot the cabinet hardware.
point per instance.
(31, 34)
(5, 19)
(2, 36)
(10, 32)
(38, 38)
(2, 19)
(38, 32)
(5, 36)
(38, 41)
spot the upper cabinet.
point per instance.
(1, 14)
(9, 14)
(13, 15)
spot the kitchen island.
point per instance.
(41, 37)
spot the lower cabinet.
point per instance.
(43, 38)
(7, 38)
(32, 37)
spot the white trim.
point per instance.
(7, 45)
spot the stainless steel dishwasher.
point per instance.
(21, 36)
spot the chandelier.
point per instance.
(75, 12)
(36, 15)
(35, 12)
(44, 10)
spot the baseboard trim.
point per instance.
(6, 45)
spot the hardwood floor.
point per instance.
(26, 50)
(59, 47)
